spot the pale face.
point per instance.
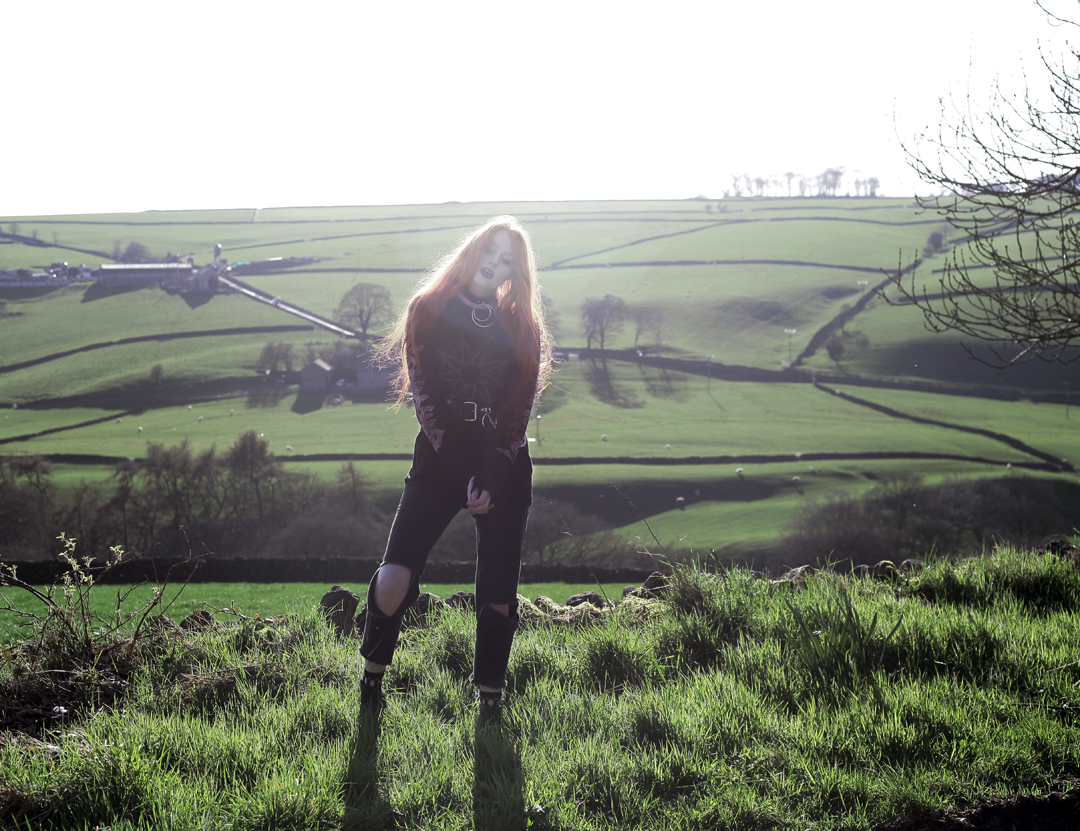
(496, 265)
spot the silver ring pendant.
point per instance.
(482, 322)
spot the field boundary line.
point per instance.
(648, 461)
(1016, 444)
(200, 333)
(862, 269)
(739, 373)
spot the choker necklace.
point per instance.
(482, 314)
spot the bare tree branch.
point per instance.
(1008, 182)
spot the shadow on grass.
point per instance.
(365, 806)
(265, 397)
(194, 299)
(636, 499)
(663, 383)
(498, 781)
(97, 291)
(604, 388)
(308, 402)
(945, 361)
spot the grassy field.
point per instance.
(730, 278)
(266, 599)
(629, 404)
(836, 703)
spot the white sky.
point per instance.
(130, 106)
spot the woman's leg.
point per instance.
(391, 585)
(422, 515)
(499, 537)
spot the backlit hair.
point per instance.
(520, 311)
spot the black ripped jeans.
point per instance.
(428, 504)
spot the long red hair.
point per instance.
(520, 311)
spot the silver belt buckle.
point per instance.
(474, 410)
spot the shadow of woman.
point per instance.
(365, 806)
(498, 783)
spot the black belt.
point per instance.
(472, 411)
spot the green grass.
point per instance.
(640, 410)
(901, 347)
(710, 710)
(68, 318)
(266, 599)
(736, 313)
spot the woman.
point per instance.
(474, 351)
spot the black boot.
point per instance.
(371, 691)
(490, 706)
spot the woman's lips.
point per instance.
(487, 272)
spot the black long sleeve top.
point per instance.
(457, 362)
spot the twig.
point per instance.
(642, 518)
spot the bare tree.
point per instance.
(363, 306)
(646, 319)
(277, 354)
(828, 181)
(1009, 179)
(136, 252)
(602, 317)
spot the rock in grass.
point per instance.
(465, 600)
(656, 584)
(339, 608)
(546, 612)
(162, 623)
(595, 598)
(424, 605)
(887, 570)
(198, 620)
(801, 571)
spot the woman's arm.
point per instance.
(500, 456)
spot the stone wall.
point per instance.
(327, 570)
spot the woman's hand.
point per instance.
(476, 500)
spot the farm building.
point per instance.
(115, 275)
(315, 377)
(369, 376)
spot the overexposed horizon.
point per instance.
(127, 107)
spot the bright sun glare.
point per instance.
(129, 106)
